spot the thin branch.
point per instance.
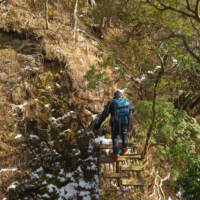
(195, 27)
(184, 39)
(149, 133)
(46, 10)
(75, 19)
(197, 8)
(188, 4)
(88, 35)
(87, 51)
(173, 9)
(133, 30)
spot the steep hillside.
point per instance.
(55, 82)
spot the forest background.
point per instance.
(149, 47)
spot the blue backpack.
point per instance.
(121, 116)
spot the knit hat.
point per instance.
(117, 93)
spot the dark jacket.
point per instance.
(109, 108)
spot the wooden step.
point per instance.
(110, 146)
(110, 159)
(121, 158)
(114, 175)
(134, 182)
(129, 154)
(132, 168)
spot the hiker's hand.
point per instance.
(97, 127)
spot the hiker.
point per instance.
(121, 120)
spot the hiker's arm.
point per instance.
(104, 114)
(131, 108)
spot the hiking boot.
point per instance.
(115, 157)
(124, 150)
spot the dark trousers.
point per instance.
(115, 138)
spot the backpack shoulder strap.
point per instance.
(109, 106)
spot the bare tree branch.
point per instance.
(195, 27)
(188, 4)
(197, 8)
(195, 16)
(75, 19)
(46, 13)
(184, 39)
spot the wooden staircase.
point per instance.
(122, 173)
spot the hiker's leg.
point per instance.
(115, 138)
(124, 137)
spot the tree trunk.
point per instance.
(46, 13)
(75, 6)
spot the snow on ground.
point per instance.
(46, 195)
(103, 139)
(80, 131)
(143, 77)
(18, 136)
(39, 170)
(19, 106)
(4, 170)
(92, 167)
(34, 136)
(94, 116)
(178, 194)
(53, 119)
(57, 85)
(78, 185)
(77, 152)
(13, 185)
(69, 190)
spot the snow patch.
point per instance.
(94, 116)
(34, 136)
(46, 195)
(103, 139)
(18, 136)
(19, 106)
(143, 77)
(13, 185)
(4, 170)
(44, 183)
(88, 111)
(78, 152)
(39, 170)
(51, 187)
(49, 175)
(57, 85)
